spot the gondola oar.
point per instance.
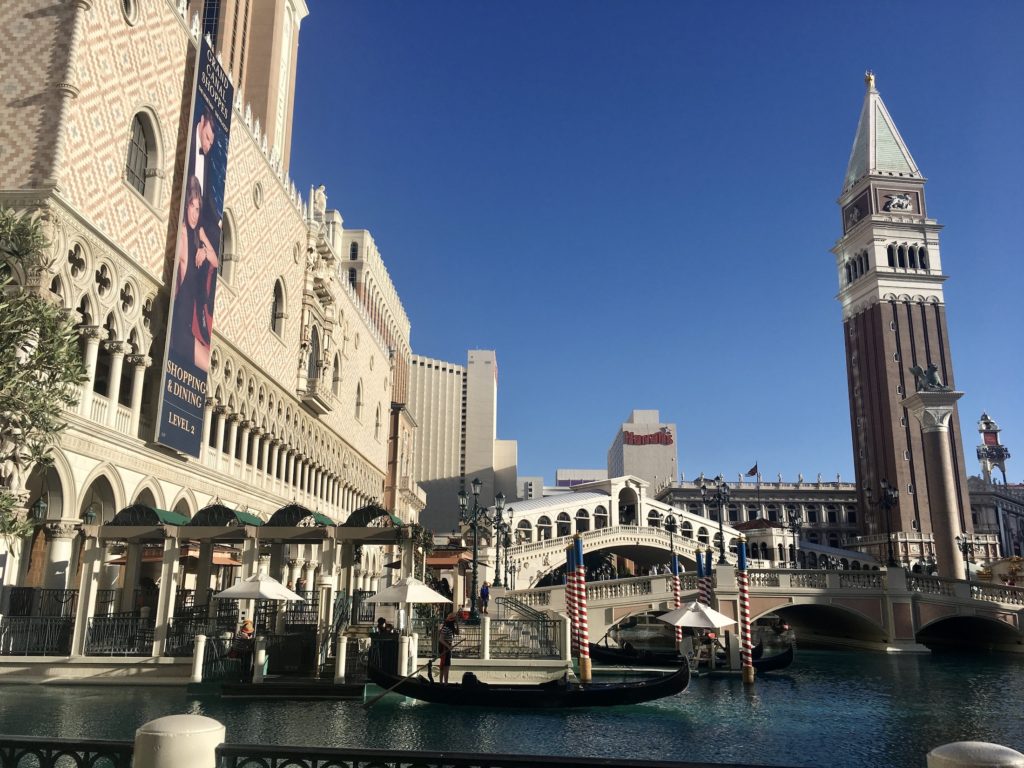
(382, 694)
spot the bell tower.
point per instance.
(889, 268)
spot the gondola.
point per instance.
(640, 657)
(555, 694)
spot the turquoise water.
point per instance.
(832, 709)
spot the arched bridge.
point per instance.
(880, 610)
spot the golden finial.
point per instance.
(869, 80)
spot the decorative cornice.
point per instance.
(61, 530)
(139, 360)
(933, 409)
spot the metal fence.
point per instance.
(362, 611)
(122, 634)
(35, 635)
(34, 601)
(29, 752)
(524, 638)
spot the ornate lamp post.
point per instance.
(966, 547)
(720, 498)
(890, 498)
(472, 517)
(795, 522)
(507, 533)
(499, 528)
(671, 526)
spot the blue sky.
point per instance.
(633, 203)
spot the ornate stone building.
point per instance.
(309, 362)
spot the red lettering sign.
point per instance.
(661, 437)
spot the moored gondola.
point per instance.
(642, 657)
(555, 694)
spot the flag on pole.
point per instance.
(752, 472)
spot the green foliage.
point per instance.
(40, 365)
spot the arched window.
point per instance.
(563, 524)
(353, 251)
(352, 278)
(313, 364)
(543, 528)
(359, 400)
(686, 530)
(142, 158)
(922, 258)
(702, 535)
(782, 554)
(600, 517)
(891, 254)
(582, 521)
(227, 247)
(336, 375)
(901, 256)
(376, 424)
(654, 519)
(277, 314)
(734, 513)
(849, 273)
(525, 531)
(833, 513)
(913, 257)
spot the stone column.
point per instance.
(208, 411)
(265, 441)
(934, 409)
(295, 567)
(169, 571)
(289, 467)
(60, 539)
(88, 584)
(263, 565)
(245, 427)
(139, 364)
(92, 334)
(116, 349)
(233, 420)
(222, 415)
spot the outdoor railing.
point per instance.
(612, 590)
(524, 639)
(808, 580)
(362, 611)
(999, 594)
(35, 636)
(862, 580)
(119, 635)
(764, 578)
(34, 601)
(930, 585)
(25, 751)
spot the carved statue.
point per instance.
(320, 202)
(312, 259)
(899, 202)
(800, 478)
(779, 478)
(927, 380)
(819, 478)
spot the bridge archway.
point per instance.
(833, 624)
(629, 507)
(974, 632)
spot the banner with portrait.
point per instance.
(196, 259)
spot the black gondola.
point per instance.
(555, 694)
(641, 657)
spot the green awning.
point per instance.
(247, 519)
(396, 521)
(170, 518)
(322, 519)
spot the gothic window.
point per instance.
(891, 253)
(313, 364)
(143, 157)
(376, 424)
(359, 400)
(353, 251)
(336, 375)
(227, 247)
(277, 313)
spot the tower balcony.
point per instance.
(318, 396)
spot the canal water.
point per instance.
(835, 709)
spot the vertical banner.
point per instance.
(196, 259)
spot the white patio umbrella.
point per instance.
(698, 616)
(259, 587)
(408, 590)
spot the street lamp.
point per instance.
(721, 498)
(890, 498)
(499, 525)
(795, 522)
(671, 526)
(472, 517)
(506, 536)
(966, 547)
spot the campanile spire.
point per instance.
(889, 270)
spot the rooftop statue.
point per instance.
(928, 379)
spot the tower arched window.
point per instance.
(277, 313)
(922, 257)
(913, 257)
(352, 278)
(142, 161)
(901, 256)
(353, 251)
(849, 273)
(313, 364)
(891, 254)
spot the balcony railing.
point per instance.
(119, 635)
(362, 611)
(319, 396)
(35, 636)
(34, 601)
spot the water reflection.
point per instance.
(836, 709)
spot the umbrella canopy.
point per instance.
(259, 587)
(698, 616)
(408, 590)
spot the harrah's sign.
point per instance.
(661, 437)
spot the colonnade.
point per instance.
(93, 336)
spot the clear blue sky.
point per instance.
(633, 203)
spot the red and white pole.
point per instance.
(746, 644)
(676, 599)
(570, 600)
(581, 609)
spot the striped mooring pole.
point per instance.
(581, 609)
(570, 600)
(702, 595)
(676, 602)
(746, 645)
(709, 575)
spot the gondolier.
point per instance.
(445, 641)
